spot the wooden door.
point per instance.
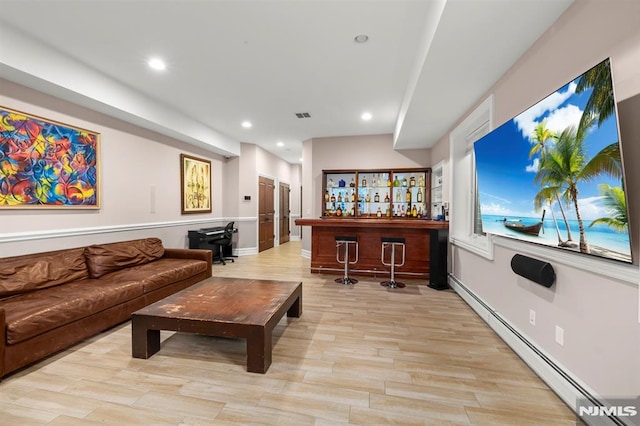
(266, 212)
(285, 212)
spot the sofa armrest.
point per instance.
(199, 254)
(3, 340)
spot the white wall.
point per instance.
(135, 162)
(599, 314)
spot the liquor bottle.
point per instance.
(388, 181)
(339, 211)
(333, 198)
(340, 197)
(388, 212)
(386, 198)
(412, 182)
(326, 196)
(420, 195)
(353, 211)
(376, 198)
(367, 198)
(402, 213)
(353, 196)
(414, 211)
(421, 181)
(364, 181)
(379, 212)
(396, 182)
(379, 181)
(404, 182)
(408, 197)
(398, 196)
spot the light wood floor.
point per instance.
(361, 354)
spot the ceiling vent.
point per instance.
(303, 115)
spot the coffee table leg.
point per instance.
(144, 342)
(259, 350)
(296, 309)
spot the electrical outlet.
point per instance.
(559, 336)
(532, 317)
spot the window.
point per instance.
(466, 227)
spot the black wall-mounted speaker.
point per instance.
(534, 270)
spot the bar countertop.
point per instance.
(374, 223)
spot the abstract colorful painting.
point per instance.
(46, 164)
(195, 179)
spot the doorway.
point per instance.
(266, 211)
(285, 212)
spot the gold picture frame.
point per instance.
(195, 184)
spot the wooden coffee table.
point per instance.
(224, 307)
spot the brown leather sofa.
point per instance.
(50, 301)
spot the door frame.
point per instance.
(276, 206)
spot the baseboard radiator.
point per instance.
(568, 388)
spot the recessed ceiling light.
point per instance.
(280, 143)
(246, 124)
(361, 38)
(157, 64)
(366, 116)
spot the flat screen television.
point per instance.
(553, 174)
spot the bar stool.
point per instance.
(393, 242)
(346, 241)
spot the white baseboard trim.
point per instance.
(305, 254)
(245, 251)
(568, 387)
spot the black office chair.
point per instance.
(223, 242)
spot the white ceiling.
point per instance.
(425, 64)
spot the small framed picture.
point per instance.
(195, 184)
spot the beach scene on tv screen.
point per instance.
(553, 174)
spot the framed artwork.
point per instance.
(195, 184)
(45, 164)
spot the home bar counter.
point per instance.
(369, 231)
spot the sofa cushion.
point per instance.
(31, 314)
(21, 274)
(105, 258)
(160, 273)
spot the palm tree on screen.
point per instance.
(609, 161)
(542, 136)
(601, 103)
(564, 166)
(615, 201)
(548, 195)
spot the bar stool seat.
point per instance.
(392, 242)
(346, 241)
